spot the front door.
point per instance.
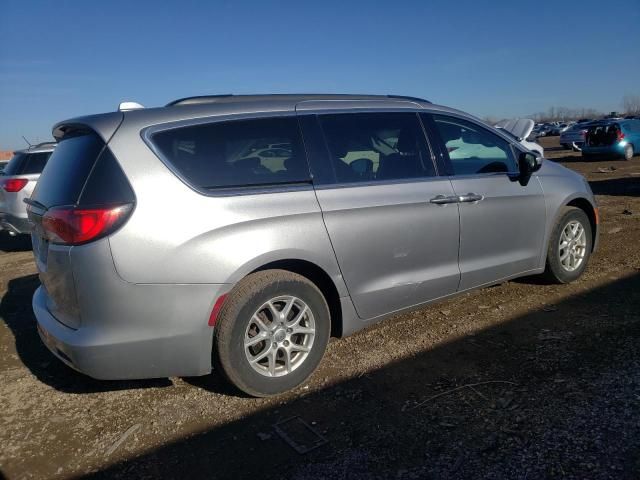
(502, 222)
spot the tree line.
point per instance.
(630, 106)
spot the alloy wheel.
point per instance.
(572, 246)
(279, 336)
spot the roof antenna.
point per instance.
(28, 143)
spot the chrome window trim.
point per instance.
(397, 181)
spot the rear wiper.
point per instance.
(34, 203)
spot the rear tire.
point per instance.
(628, 151)
(569, 247)
(271, 332)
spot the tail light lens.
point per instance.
(13, 185)
(75, 225)
(619, 135)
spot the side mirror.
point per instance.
(528, 163)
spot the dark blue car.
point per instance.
(619, 138)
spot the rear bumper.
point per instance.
(108, 354)
(608, 151)
(13, 224)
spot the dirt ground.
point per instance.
(521, 380)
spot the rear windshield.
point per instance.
(242, 153)
(27, 163)
(67, 170)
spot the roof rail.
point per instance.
(42, 144)
(407, 97)
(197, 100)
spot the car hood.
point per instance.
(520, 127)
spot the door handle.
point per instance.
(470, 197)
(443, 200)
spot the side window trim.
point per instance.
(439, 149)
(444, 154)
(315, 145)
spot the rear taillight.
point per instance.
(619, 135)
(76, 225)
(13, 185)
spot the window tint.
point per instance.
(15, 164)
(473, 149)
(35, 163)
(367, 147)
(237, 153)
(67, 170)
(107, 183)
(27, 163)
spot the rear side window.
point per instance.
(66, 172)
(242, 153)
(27, 163)
(367, 147)
(473, 149)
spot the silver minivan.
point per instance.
(17, 181)
(239, 233)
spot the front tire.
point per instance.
(271, 332)
(569, 247)
(628, 151)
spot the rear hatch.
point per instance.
(79, 188)
(603, 135)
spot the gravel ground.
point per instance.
(521, 380)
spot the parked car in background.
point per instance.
(566, 126)
(520, 130)
(573, 137)
(17, 182)
(539, 130)
(557, 128)
(375, 205)
(619, 138)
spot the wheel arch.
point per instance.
(591, 211)
(320, 278)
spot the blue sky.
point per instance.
(67, 58)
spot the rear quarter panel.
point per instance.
(177, 235)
